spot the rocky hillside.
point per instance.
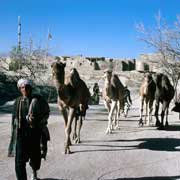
(43, 82)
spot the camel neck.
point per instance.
(107, 82)
(59, 80)
(58, 84)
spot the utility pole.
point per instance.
(30, 45)
(47, 44)
(19, 43)
(49, 37)
(19, 33)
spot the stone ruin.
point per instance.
(91, 70)
(98, 63)
(144, 62)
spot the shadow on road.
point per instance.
(129, 120)
(151, 178)
(173, 128)
(96, 119)
(169, 128)
(53, 179)
(159, 144)
(121, 120)
(154, 144)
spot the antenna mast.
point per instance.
(19, 33)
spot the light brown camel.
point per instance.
(72, 95)
(147, 95)
(113, 93)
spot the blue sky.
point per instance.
(88, 27)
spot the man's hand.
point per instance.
(30, 119)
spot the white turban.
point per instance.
(23, 82)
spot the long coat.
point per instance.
(14, 128)
(37, 105)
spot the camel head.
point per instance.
(57, 68)
(108, 75)
(58, 71)
(148, 77)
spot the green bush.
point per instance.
(14, 65)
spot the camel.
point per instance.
(72, 95)
(164, 94)
(80, 112)
(113, 94)
(147, 94)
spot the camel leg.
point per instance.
(120, 105)
(79, 130)
(141, 111)
(117, 115)
(150, 112)
(156, 113)
(114, 116)
(167, 112)
(126, 109)
(164, 107)
(68, 130)
(145, 118)
(107, 105)
(75, 127)
(65, 116)
(82, 112)
(113, 106)
(118, 108)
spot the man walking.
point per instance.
(127, 101)
(95, 96)
(26, 132)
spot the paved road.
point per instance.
(128, 153)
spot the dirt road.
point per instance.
(128, 153)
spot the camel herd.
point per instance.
(160, 90)
(74, 95)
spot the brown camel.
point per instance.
(113, 94)
(147, 95)
(80, 112)
(164, 94)
(72, 96)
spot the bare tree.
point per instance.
(165, 40)
(30, 59)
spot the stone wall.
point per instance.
(99, 63)
(148, 62)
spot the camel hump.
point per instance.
(116, 82)
(168, 88)
(75, 73)
(74, 78)
(76, 82)
(165, 81)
